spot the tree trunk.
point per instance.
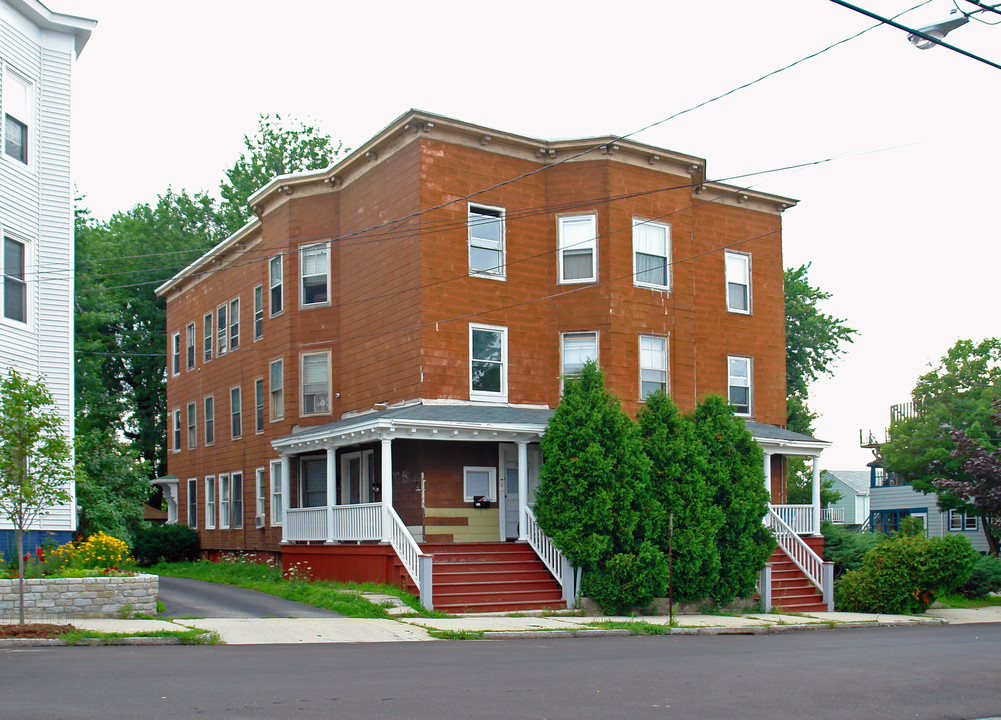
(20, 574)
(992, 541)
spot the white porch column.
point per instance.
(522, 488)
(768, 475)
(816, 494)
(286, 492)
(331, 491)
(386, 482)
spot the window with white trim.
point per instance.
(258, 312)
(486, 241)
(175, 353)
(222, 328)
(314, 271)
(177, 429)
(210, 506)
(275, 285)
(277, 389)
(234, 323)
(487, 362)
(740, 386)
(189, 337)
(651, 254)
(577, 349)
(479, 482)
(236, 511)
(653, 365)
(209, 419)
(276, 492)
(17, 103)
(959, 522)
(193, 503)
(259, 495)
(259, 405)
(192, 426)
(207, 337)
(235, 413)
(738, 282)
(224, 498)
(315, 383)
(578, 248)
(15, 287)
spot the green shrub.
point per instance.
(846, 549)
(903, 575)
(173, 543)
(985, 578)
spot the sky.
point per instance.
(895, 217)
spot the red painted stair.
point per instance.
(488, 577)
(792, 591)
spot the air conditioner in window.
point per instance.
(259, 521)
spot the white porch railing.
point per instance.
(357, 522)
(798, 517)
(543, 546)
(798, 551)
(306, 524)
(407, 550)
(833, 514)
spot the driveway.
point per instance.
(196, 598)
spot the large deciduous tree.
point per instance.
(35, 459)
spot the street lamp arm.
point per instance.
(985, 7)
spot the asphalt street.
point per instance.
(924, 673)
(196, 598)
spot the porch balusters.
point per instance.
(331, 491)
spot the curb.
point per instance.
(92, 642)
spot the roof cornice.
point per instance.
(36, 12)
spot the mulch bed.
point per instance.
(34, 630)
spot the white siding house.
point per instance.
(37, 51)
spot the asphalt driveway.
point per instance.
(196, 598)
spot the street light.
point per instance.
(937, 31)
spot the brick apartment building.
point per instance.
(382, 347)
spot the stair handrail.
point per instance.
(407, 549)
(543, 546)
(802, 555)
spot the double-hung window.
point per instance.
(487, 362)
(224, 501)
(189, 345)
(740, 385)
(17, 101)
(259, 493)
(486, 241)
(15, 288)
(314, 269)
(236, 509)
(578, 348)
(960, 521)
(738, 282)
(578, 248)
(209, 419)
(275, 284)
(277, 389)
(651, 254)
(479, 482)
(234, 323)
(175, 353)
(222, 328)
(177, 429)
(192, 426)
(236, 413)
(210, 505)
(653, 365)
(258, 312)
(193, 503)
(276, 492)
(315, 374)
(259, 405)
(207, 337)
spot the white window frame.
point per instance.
(236, 500)
(491, 481)
(234, 323)
(224, 501)
(276, 288)
(574, 335)
(961, 522)
(192, 503)
(317, 402)
(259, 493)
(639, 225)
(175, 354)
(490, 395)
(475, 211)
(276, 492)
(565, 249)
(258, 405)
(258, 312)
(324, 247)
(236, 413)
(23, 116)
(646, 367)
(749, 364)
(208, 405)
(189, 347)
(276, 393)
(210, 502)
(21, 282)
(192, 418)
(208, 336)
(177, 429)
(737, 271)
(222, 329)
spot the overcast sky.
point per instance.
(900, 225)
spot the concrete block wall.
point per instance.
(89, 597)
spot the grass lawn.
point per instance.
(342, 598)
(958, 601)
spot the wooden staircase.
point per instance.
(487, 577)
(792, 591)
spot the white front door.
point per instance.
(357, 478)
(510, 501)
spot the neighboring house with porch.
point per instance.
(359, 378)
(852, 508)
(38, 49)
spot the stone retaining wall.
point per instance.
(89, 597)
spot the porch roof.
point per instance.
(774, 439)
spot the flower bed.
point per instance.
(81, 597)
